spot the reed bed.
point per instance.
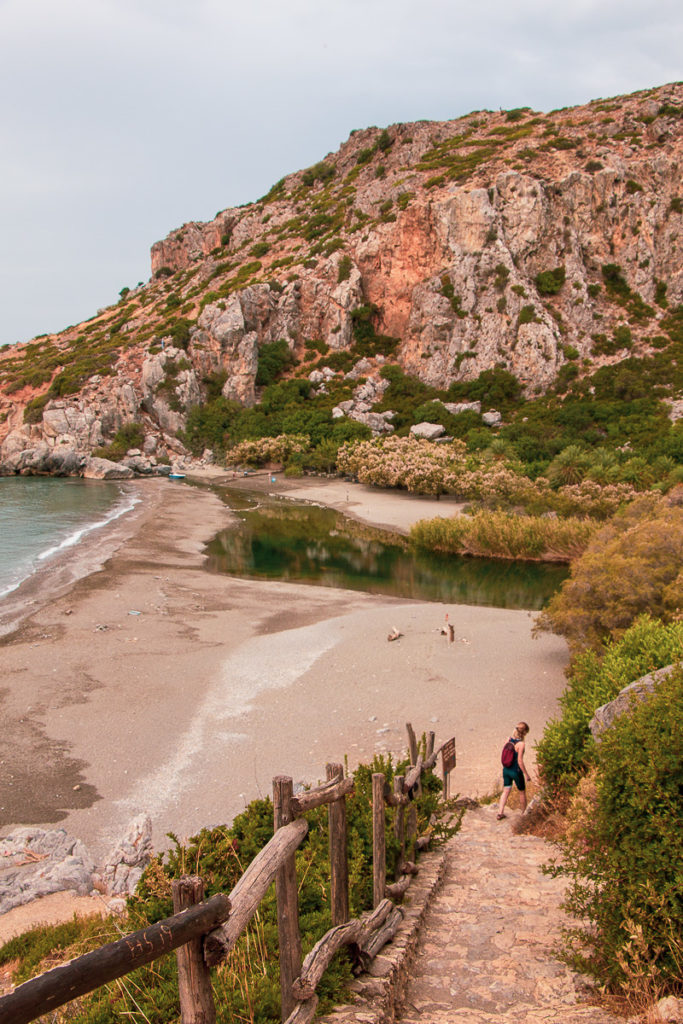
(504, 535)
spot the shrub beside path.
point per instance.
(486, 952)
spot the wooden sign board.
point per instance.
(448, 755)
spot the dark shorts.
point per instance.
(515, 775)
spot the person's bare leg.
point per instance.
(522, 800)
(503, 800)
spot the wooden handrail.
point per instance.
(325, 794)
(215, 925)
(251, 889)
(90, 971)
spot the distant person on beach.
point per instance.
(515, 772)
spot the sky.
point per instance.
(123, 119)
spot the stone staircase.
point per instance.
(486, 950)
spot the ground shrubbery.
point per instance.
(425, 468)
(621, 849)
(130, 435)
(567, 750)
(623, 856)
(246, 987)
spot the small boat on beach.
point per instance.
(176, 476)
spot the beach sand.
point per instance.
(151, 685)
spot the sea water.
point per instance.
(41, 517)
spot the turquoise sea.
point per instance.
(42, 517)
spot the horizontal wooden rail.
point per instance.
(210, 930)
(355, 932)
(325, 794)
(86, 973)
(251, 889)
(413, 776)
(397, 890)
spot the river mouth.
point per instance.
(302, 542)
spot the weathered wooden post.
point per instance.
(412, 743)
(399, 820)
(413, 748)
(339, 865)
(287, 900)
(194, 977)
(379, 856)
(431, 736)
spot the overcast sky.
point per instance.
(122, 119)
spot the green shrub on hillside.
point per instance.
(273, 359)
(623, 855)
(567, 749)
(633, 565)
(130, 435)
(549, 282)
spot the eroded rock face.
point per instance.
(440, 234)
(126, 862)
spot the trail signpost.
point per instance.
(447, 764)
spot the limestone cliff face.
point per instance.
(440, 228)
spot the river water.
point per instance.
(282, 539)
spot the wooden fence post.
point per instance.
(287, 900)
(399, 821)
(339, 865)
(413, 747)
(431, 736)
(412, 743)
(194, 977)
(379, 857)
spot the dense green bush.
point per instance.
(495, 389)
(273, 359)
(567, 749)
(33, 410)
(622, 852)
(130, 435)
(549, 282)
(344, 268)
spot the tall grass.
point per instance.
(504, 535)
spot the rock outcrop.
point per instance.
(35, 862)
(635, 692)
(533, 242)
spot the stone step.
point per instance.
(487, 952)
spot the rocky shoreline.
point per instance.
(36, 862)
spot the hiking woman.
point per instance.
(515, 772)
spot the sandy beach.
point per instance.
(150, 684)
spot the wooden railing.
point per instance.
(203, 932)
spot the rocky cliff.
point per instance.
(508, 238)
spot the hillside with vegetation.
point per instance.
(510, 275)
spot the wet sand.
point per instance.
(152, 685)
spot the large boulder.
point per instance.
(429, 431)
(635, 692)
(105, 469)
(35, 862)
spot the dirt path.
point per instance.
(486, 951)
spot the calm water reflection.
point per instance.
(281, 539)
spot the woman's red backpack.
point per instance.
(507, 756)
